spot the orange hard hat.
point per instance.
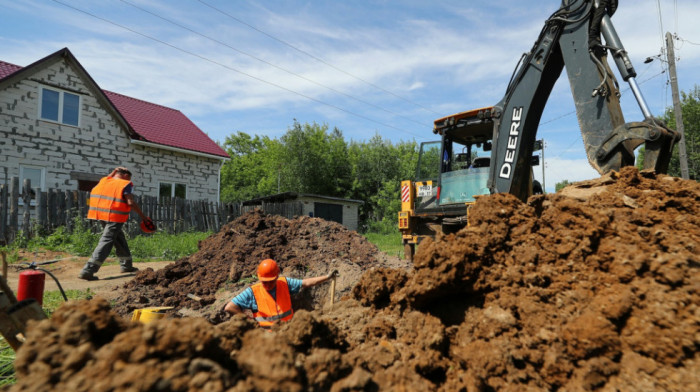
(147, 226)
(268, 270)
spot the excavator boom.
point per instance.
(571, 38)
(490, 150)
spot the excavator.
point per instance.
(490, 150)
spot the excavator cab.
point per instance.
(451, 173)
(466, 156)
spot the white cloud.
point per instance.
(559, 169)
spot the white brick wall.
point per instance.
(96, 147)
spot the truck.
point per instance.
(490, 150)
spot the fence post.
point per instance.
(61, 203)
(51, 208)
(41, 210)
(27, 200)
(82, 207)
(14, 209)
(3, 214)
(71, 204)
(69, 197)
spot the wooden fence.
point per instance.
(29, 211)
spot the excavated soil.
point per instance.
(590, 289)
(226, 263)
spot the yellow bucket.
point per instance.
(146, 315)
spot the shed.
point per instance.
(336, 209)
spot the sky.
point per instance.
(381, 67)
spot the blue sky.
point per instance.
(365, 67)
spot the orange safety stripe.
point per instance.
(271, 311)
(107, 202)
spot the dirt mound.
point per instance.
(593, 290)
(226, 262)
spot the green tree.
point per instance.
(561, 185)
(690, 109)
(310, 158)
(315, 160)
(377, 170)
(253, 168)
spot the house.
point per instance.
(336, 209)
(59, 129)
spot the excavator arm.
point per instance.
(571, 38)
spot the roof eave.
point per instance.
(177, 149)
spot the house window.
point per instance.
(35, 174)
(37, 177)
(60, 106)
(169, 189)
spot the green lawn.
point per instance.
(387, 243)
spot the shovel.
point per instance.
(334, 274)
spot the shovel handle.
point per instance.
(333, 291)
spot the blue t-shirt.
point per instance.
(246, 299)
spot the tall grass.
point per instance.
(82, 241)
(7, 359)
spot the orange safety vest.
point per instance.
(271, 311)
(107, 201)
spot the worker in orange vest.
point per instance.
(270, 298)
(111, 201)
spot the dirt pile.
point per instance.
(226, 263)
(597, 290)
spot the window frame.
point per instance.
(42, 187)
(60, 106)
(173, 185)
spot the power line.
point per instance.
(237, 70)
(686, 41)
(661, 24)
(273, 65)
(317, 58)
(675, 16)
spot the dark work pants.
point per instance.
(112, 235)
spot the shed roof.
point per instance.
(281, 197)
(149, 122)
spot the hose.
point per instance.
(35, 266)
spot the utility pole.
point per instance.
(677, 105)
(543, 186)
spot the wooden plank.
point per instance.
(68, 210)
(41, 210)
(191, 215)
(14, 209)
(3, 214)
(61, 202)
(27, 200)
(83, 198)
(52, 206)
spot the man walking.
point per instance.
(110, 203)
(270, 299)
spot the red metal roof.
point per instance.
(153, 123)
(7, 69)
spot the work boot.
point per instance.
(127, 267)
(85, 275)
(88, 272)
